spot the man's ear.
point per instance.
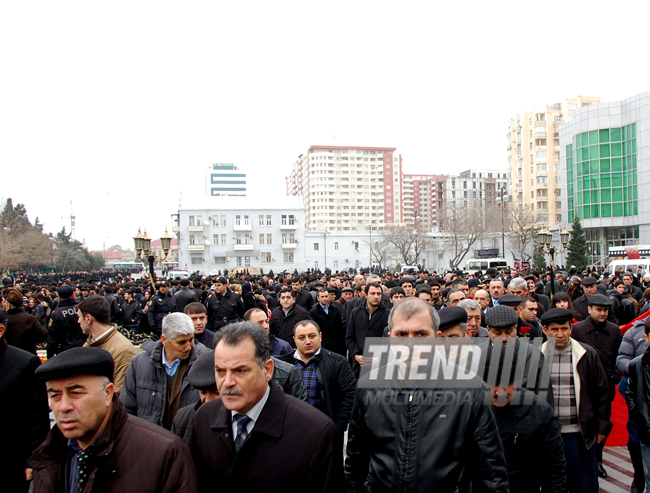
(2, 330)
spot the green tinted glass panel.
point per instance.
(578, 140)
(585, 167)
(634, 177)
(617, 194)
(626, 194)
(585, 153)
(616, 149)
(606, 194)
(624, 147)
(593, 166)
(624, 133)
(624, 163)
(606, 210)
(604, 135)
(571, 216)
(615, 134)
(586, 197)
(634, 145)
(635, 209)
(593, 151)
(625, 209)
(585, 183)
(605, 180)
(593, 137)
(617, 165)
(595, 181)
(595, 211)
(605, 165)
(570, 203)
(617, 210)
(604, 150)
(586, 212)
(634, 130)
(617, 179)
(595, 196)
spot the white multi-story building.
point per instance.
(348, 188)
(225, 179)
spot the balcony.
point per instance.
(196, 248)
(243, 227)
(176, 228)
(243, 248)
(540, 134)
(540, 123)
(195, 228)
(288, 227)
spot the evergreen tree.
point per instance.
(539, 260)
(577, 249)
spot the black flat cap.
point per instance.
(65, 291)
(77, 361)
(390, 284)
(501, 317)
(346, 290)
(509, 300)
(588, 281)
(452, 316)
(201, 375)
(330, 290)
(491, 272)
(185, 282)
(599, 300)
(557, 315)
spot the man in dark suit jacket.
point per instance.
(328, 318)
(285, 317)
(254, 437)
(581, 304)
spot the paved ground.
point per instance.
(619, 470)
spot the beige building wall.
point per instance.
(534, 157)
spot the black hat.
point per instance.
(346, 290)
(475, 283)
(164, 284)
(390, 284)
(452, 316)
(330, 290)
(588, 281)
(221, 280)
(77, 361)
(501, 317)
(557, 315)
(491, 272)
(3, 317)
(509, 300)
(600, 300)
(185, 282)
(65, 291)
(201, 375)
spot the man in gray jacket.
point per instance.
(157, 384)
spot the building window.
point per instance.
(336, 265)
(223, 240)
(269, 239)
(222, 220)
(356, 245)
(316, 246)
(265, 257)
(288, 238)
(192, 220)
(268, 220)
(219, 260)
(262, 237)
(192, 239)
(239, 261)
(288, 257)
(215, 239)
(196, 260)
(336, 245)
(260, 221)
(247, 261)
(238, 239)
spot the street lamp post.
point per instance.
(502, 201)
(143, 251)
(546, 242)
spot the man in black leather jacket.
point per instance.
(395, 446)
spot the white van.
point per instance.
(618, 265)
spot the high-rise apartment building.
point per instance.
(225, 179)
(348, 188)
(472, 187)
(423, 200)
(534, 157)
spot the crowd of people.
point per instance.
(246, 382)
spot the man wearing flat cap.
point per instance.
(581, 304)
(582, 404)
(502, 329)
(95, 443)
(605, 337)
(64, 331)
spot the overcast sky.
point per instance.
(121, 106)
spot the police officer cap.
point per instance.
(77, 361)
(201, 375)
(164, 284)
(500, 317)
(452, 316)
(509, 300)
(346, 290)
(221, 280)
(557, 315)
(475, 283)
(65, 291)
(600, 300)
(588, 281)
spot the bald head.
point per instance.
(482, 297)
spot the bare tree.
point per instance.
(407, 243)
(522, 225)
(463, 227)
(380, 250)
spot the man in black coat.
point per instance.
(303, 298)
(224, 306)
(286, 316)
(112, 301)
(131, 313)
(328, 318)
(605, 337)
(184, 296)
(24, 413)
(160, 304)
(581, 304)
(328, 379)
(64, 331)
(366, 320)
(255, 437)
